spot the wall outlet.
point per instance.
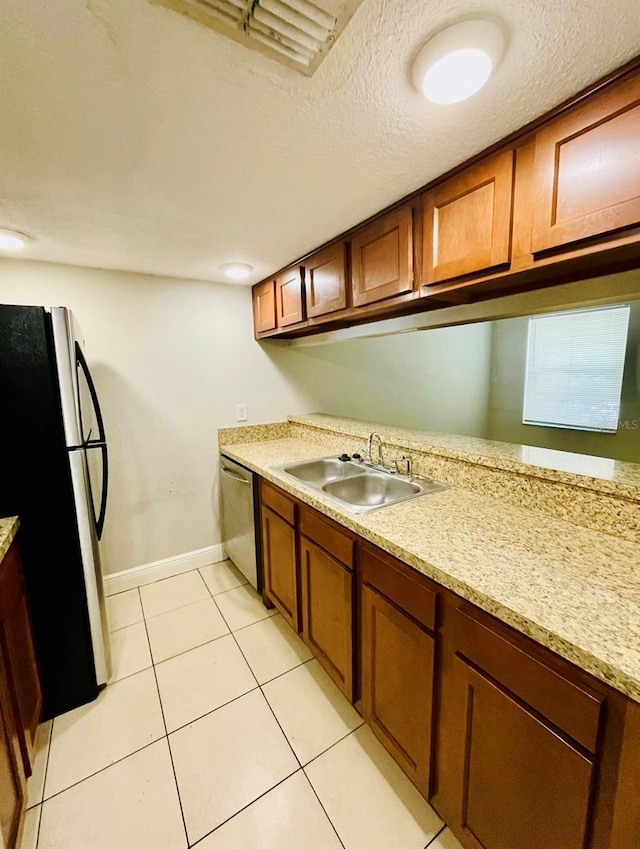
(241, 412)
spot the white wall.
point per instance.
(171, 359)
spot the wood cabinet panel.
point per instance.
(17, 647)
(521, 783)
(397, 684)
(264, 306)
(327, 613)
(382, 258)
(587, 167)
(565, 703)
(327, 535)
(325, 280)
(12, 775)
(410, 592)
(278, 500)
(289, 297)
(467, 220)
(280, 565)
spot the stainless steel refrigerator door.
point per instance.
(238, 531)
(65, 332)
(96, 604)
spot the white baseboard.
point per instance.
(128, 579)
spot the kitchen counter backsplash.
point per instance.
(593, 492)
(8, 529)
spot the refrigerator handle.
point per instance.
(100, 442)
(97, 443)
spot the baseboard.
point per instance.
(128, 579)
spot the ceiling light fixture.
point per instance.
(458, 61)
(11, 240)
(237, 270)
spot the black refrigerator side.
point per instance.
(35, 484)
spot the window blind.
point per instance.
(575, 363)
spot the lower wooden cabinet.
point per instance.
(12, 776)
(327, 613)
(279, 553)
(397, 684)
(513, 746)
(20, 696)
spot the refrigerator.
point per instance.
(54, 476)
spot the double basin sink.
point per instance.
(358, 488)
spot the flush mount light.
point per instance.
(11, 240)
(237, 270)
(458, 61)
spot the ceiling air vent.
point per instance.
(297, 33)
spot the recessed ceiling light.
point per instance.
(458, 61)
(237, 270)
(11, 240)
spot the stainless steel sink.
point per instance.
(358, 488)
(319, 472)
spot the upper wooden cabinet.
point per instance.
(467, 220)
(382, 258)
(325, 280)
(289, 297)
(559, 201)
(587, 169)
(264, 306)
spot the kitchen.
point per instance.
(172, 358)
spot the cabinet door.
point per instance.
(16, 644)
(327, 613)
(289, 297)
(521, 783)
(264, 306)
(587, 169)
(397, 684)
(279, 563)
(467, 220)
(12, 777)
(325, 280)
(382, 258)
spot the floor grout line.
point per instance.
(244, 808)
(164, 722)
(435, 836)
(315, 793)
(44, 782)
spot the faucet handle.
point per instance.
(403, 466)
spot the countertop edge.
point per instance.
(8, 530)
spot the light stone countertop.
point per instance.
(8, 530)
(574, 590)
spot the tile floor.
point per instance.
(218, 730)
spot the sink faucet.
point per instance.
(375, 437)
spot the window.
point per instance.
(575, 362)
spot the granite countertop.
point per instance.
(572, 589)
(8, 530)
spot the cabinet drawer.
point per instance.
(386, 574)
(563, 702)
(327, 535)
(278, 501)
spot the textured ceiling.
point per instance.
(133, 138)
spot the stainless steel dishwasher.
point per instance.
(237, 508)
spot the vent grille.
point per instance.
(297, 33)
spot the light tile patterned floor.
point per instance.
(220, 731)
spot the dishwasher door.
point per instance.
(238, 518)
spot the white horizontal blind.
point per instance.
(575, 362)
